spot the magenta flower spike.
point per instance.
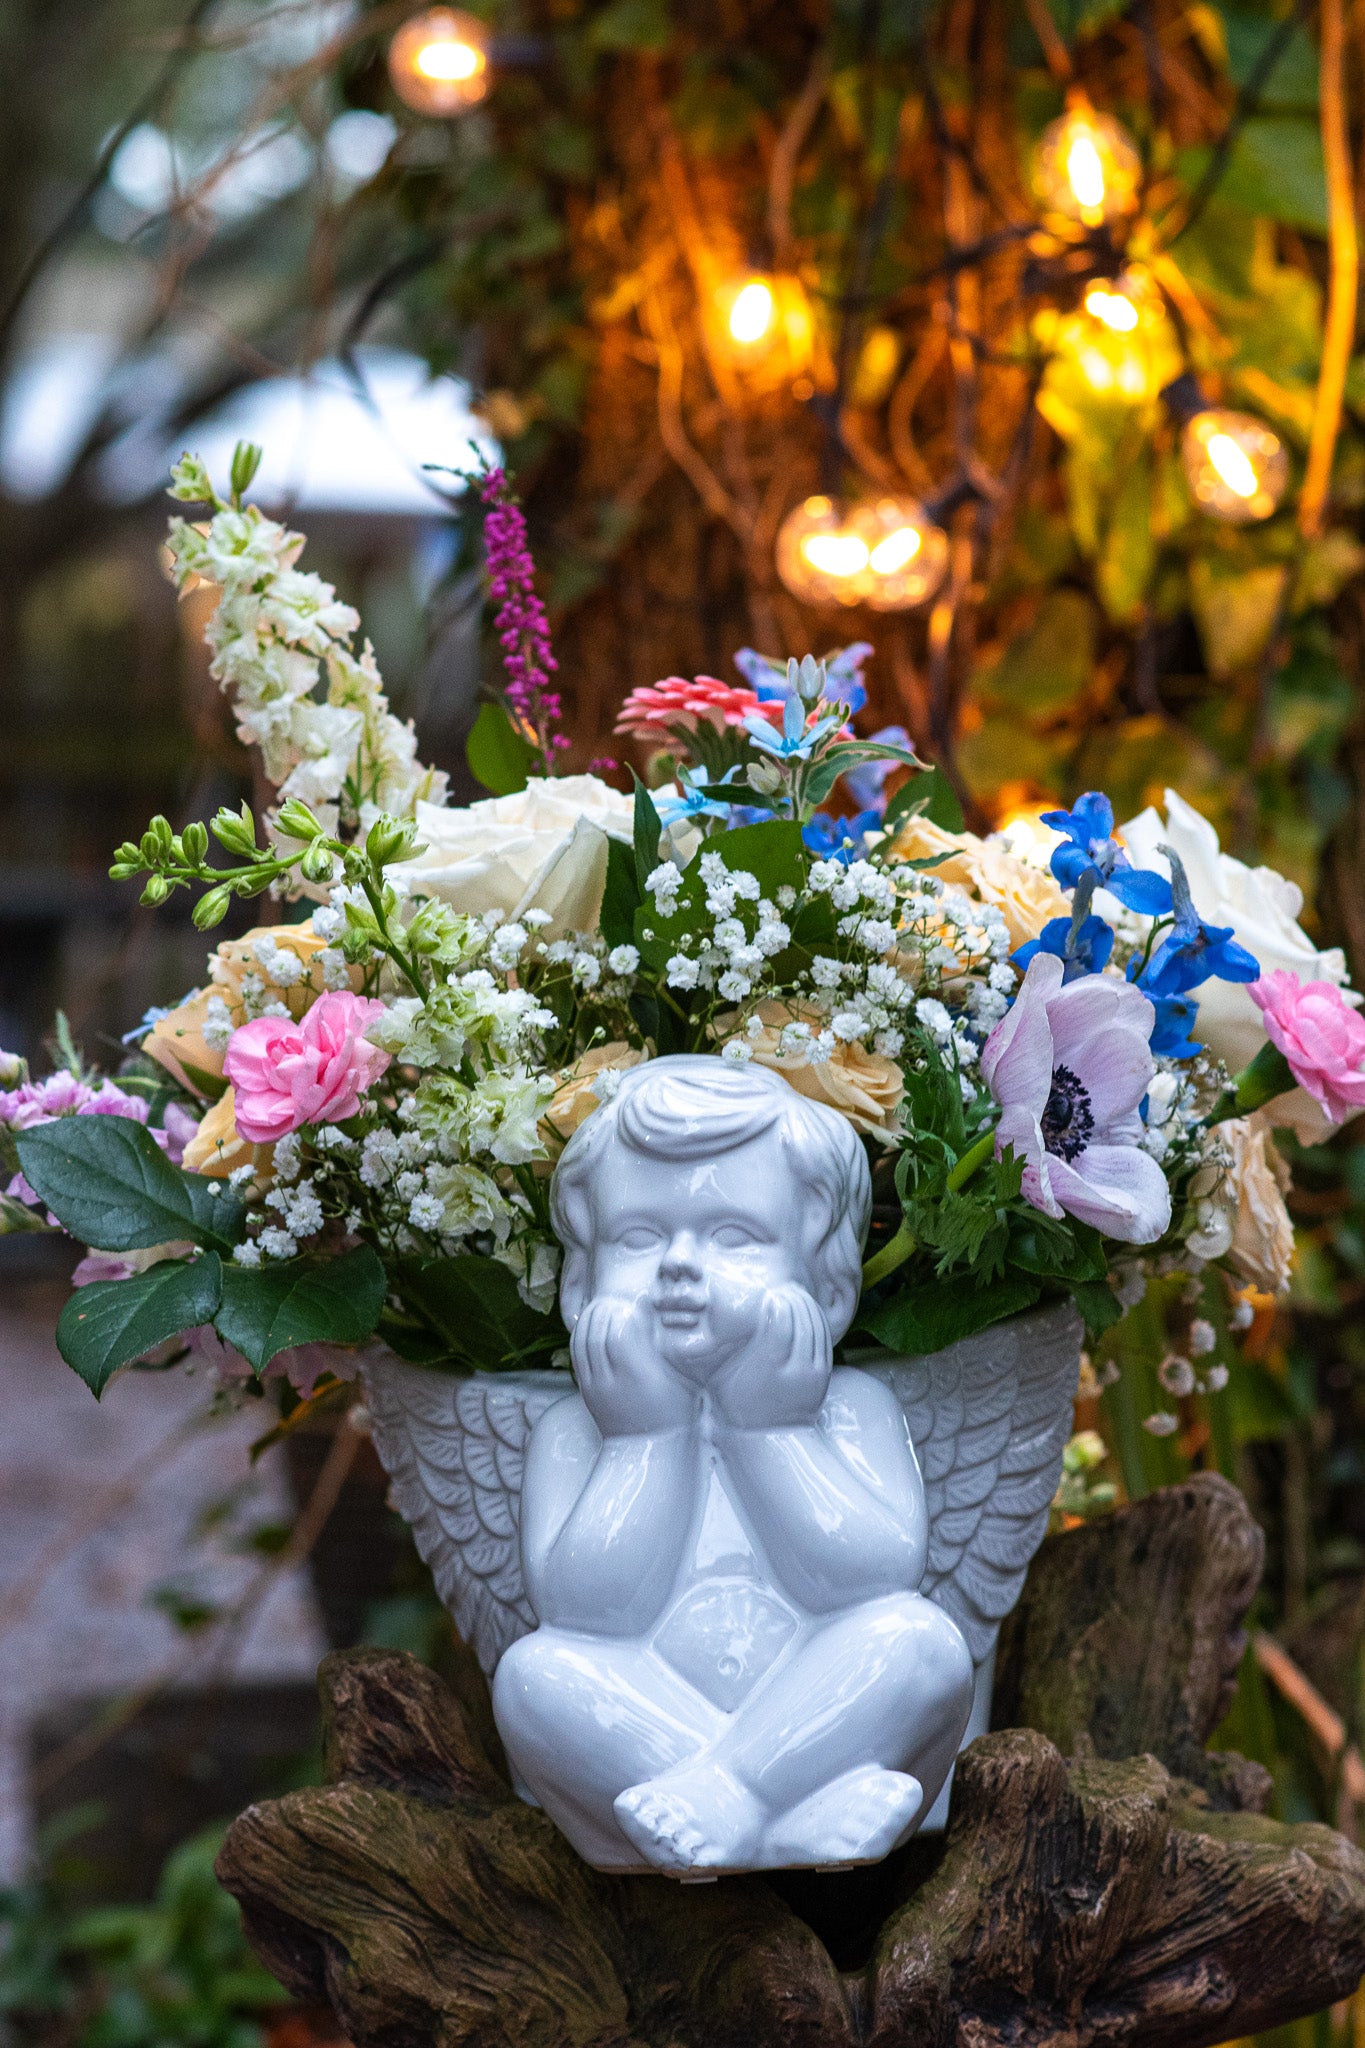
(521, 626)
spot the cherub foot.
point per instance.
(859, 1818)
(697, 1818)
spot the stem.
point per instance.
(389, 945)
(976, 1155)
(1343, 275)
(891, 1255)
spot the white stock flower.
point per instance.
(1263, 909)
(544, 847)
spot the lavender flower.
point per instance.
(522, 629)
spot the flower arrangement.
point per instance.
(1065, 1048)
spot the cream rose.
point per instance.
(576, 1097)
(1025, 895)
(1262, 1247)
(177, 1039)
(864, 1086)
(1263, 909)
(218, 1147)
(543, 848)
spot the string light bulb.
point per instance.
(888, 555)
(1236, 467)
(753, 311)
(1113, 309)
(438, 62)
(1087, 167)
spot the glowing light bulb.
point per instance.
(1087, 168)
(1086, 173)
(438, 62)
(896, 550)
(1237, 469)
(1233, 464)
(835, 554)
(1112, 309)
(751, 315)
(888, 555)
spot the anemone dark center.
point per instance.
(1068, 1124)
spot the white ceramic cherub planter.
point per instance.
(736, 1603)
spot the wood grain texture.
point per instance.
(1102, 1880)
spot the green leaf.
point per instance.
(925, 1317)
(499, 756)
(647, 830)
(112, 1322)
(467, 1311)
(1050, 663)
(269, 1309)
(106, 1179)
(851, 754)
(621, 897)
(1099, 1305)
(930, 796)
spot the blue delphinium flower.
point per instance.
(841, 839)
(1171, 1034)
(795, 742)
(697, 797)
(1085, 953)
(1089, 844)
(1192, 951)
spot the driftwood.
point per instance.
(1101, 1881)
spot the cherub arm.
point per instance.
(836, 1501)
(610, 1487)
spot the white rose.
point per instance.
(542, 848)
(1263, 909)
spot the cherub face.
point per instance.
(698, 1246)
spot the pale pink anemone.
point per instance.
(1320, 1035)
(1069, 1067)
(285, 1075)
(654, 711)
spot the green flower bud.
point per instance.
(212, 908)
(195, 840)
(316, 865)
(157, 890)
(246, 460)
(389, 839)
(296, 821)
(124, 870)
(235, 831)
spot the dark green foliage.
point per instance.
(465, 1314)
(107, 1181)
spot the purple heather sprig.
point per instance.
(521, 625)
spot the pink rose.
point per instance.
(1319, 1034)
(285, 1074)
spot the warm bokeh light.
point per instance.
(1087, 167)
(1237, 469)
(1114, 309)
(438, 61)
(888, 555)
(752, 313)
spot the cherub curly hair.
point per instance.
(695, 1106)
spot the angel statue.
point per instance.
(737, 1603)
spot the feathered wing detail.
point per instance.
(989, 1418)
(454, 1450)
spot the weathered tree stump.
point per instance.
(1083, 1893)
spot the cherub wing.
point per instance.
(989, 1418)
(454, 1450)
